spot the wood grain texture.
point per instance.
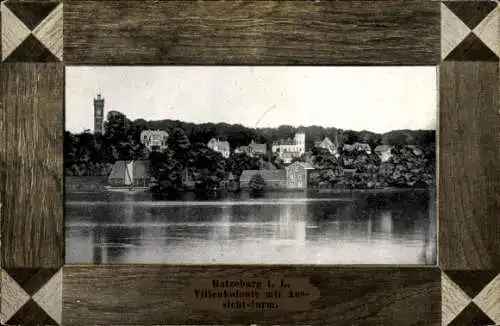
(252, 32)
(12, 297)
(154, 294)
(32, 161)
(469, 172)
(49, 297)
(50, 31)
(489, 30)
(14, 32)
(453, 299)
(489, 299)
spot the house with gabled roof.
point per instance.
(219, 146)
(327, 144)
(383, 152)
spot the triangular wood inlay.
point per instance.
(50, 32)
(14, 32)
(31, 13)
(453, 31)
(472, 49)
(489, 31)
(31, 279)
(472, 315)
(49, 297)
(12, 297)
(471, 282)
(471, 12)
(31, 314)
(31, 50)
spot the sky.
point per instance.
(377, 99)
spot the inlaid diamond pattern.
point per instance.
(31, 296)
(470, 298)
(32, 31)
(469, 31)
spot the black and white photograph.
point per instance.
(250, 165)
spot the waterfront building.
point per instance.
(297, 175)
(349, 173)
(274, 179)
(220, 146)
(155, 140)
(294, 176)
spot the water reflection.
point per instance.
(393, 228)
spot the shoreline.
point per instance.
(87, 185)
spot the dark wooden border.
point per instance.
(32, 160)
(265, 33)
(349, 295)
(469, 169)
(252, 32)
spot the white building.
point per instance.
(327, 144)
(358, 147)
(287, 149)
(220, 146)
(154, 140)
(383, 152)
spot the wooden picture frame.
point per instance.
(40, 38)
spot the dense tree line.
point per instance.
(404, 169)
(87, 154)
(238, 135)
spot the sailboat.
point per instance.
(123, 179)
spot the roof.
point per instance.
(362, 145)
(268, 175)
(348, 147)
(328, 140)
(417, 151)
(349, 171)
(304, 165)
(224, 144)
(141, 169)
(382, 148)
(262, 148)
(288, 141)
(290, 154)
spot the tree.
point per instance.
(208, 166)
(116, 128)
(405, 169)
(166, 173)
(178, 142)
(257, 185)
(238, 162)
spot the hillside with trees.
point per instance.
(86, 154)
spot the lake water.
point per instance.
(397, 227)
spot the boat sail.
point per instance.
(129, 177)
(129, 173)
